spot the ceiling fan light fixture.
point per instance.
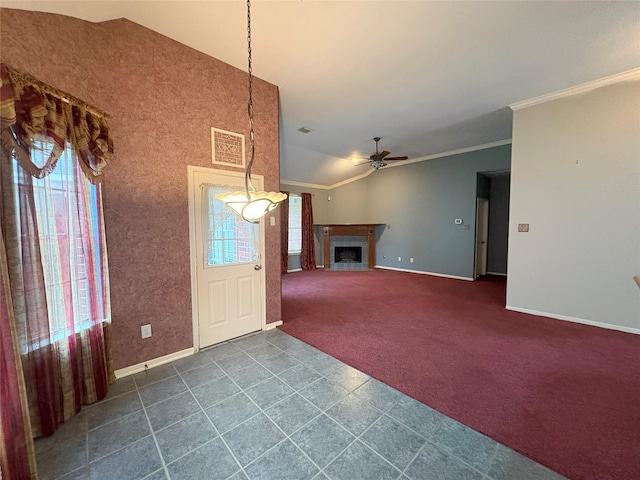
(379, 159)
(251, 204)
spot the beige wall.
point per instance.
(575, 180)
(349, 203)
(163, 98)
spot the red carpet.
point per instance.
(564, 394)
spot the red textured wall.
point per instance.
(163, 99)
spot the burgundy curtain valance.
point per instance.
(30, 109)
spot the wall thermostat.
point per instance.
(458, 221)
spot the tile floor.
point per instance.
(268, 406)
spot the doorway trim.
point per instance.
(482, 218)
(191, 188)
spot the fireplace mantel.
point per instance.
(350, 229)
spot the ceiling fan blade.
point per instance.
(379, 156)
(396, 158)
(362, 162)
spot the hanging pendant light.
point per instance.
(252, 205)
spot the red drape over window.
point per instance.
(17, 458)
(307, 253)
(284, 234)
(53, 149)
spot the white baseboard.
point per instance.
(156, 362)
(575, 320)
(294, 270)
(272, 325)
(497, 273)
(425, 273)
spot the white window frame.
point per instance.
(295, 211)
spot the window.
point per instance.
(295, 224)
(229, 240)
(68, 219)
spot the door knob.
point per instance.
(257, 267)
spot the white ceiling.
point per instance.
(427, 77)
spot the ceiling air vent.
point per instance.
(305, 130)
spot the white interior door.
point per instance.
(482, 235)
(227, 276)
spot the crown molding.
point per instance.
(450, 153)
(627, 76)
(399, 164)
(327, 187)
(303, 184)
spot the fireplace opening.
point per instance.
(348, 254)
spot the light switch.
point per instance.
(272, 221)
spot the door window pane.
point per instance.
(228, 239)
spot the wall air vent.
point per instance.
(305, 130)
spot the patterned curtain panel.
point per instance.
(56, 250)
(53, 150)
(284, 234)
(307, 253)
(17, 459)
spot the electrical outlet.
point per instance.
(399, 259)
(411, 260)
(272, 221)
(523, 227)
(145, 330)
(388, 226)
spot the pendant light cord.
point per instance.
(247, 177)
(252, 205)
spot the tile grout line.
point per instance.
(386, 413)
(295, 391)
(358, 437)
(275, 424)
(324, 412)
(491, 460)
(257, 361)
(153, 433)
(214, 427)
(428, 439)
(328, 375)
(457, 457)
(243, 390)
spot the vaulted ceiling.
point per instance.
(427, 77)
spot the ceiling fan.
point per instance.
(379, 159)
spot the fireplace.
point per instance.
(349, 246)
(348, 254)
